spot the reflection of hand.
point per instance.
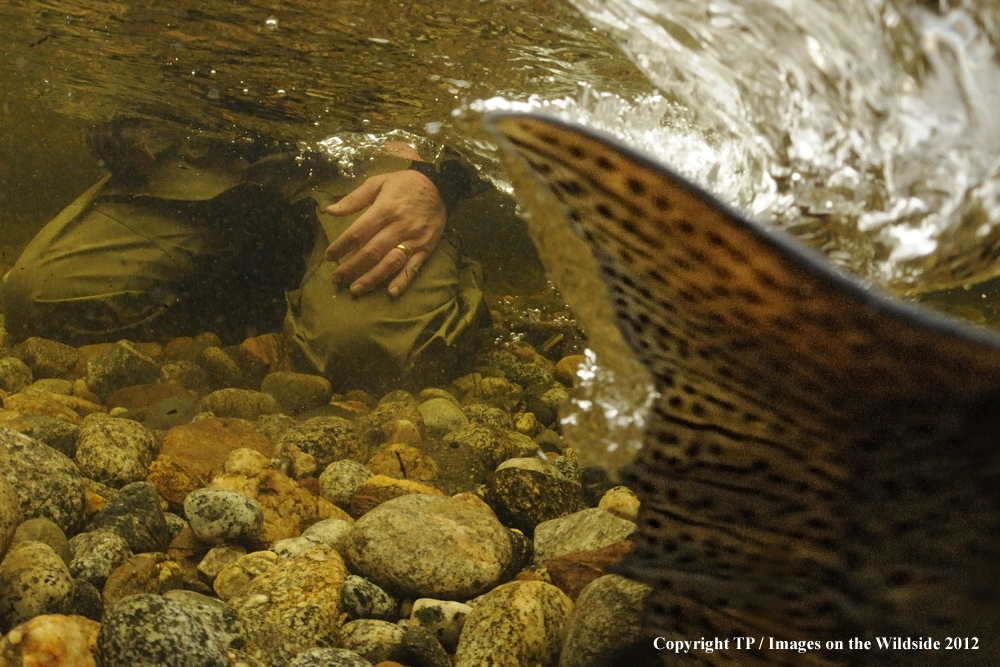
(404, 209)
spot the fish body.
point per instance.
(822, 463)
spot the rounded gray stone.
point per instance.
(327, 439)
(329, 657)
(114, 451)
(340, 479)
(215, 615)
(297, 392)
(431, 546)
(33, 580)
(47, 483)
(587, 530)
(605, 622)
(15, 375)
(442, 416)
(96, 554)
(219, 516)
(149, 630)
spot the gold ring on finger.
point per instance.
(406, 250)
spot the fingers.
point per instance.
(358, 234)
(407, 274)
(395, 262)
(357, 199)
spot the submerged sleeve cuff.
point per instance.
(455, 179)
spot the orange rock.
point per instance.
(528, 576)
(261, 355)
(378, 489)
(51, 640)
(566, 368)
(572, 572)
(192, 453)
(93, 503)
(143, 395)
(88, 352)
(41, 406)
(16, 421)
(81, 390)
(401, 461)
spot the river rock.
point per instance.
(297, 392)
(482, 413)
(47, 358)
(218, 618)
(44, 530)
(375, 641)
(15, 375)
(287, 506)
(114, 451)
(186, 374)
(192, 453)
(363, 599)
(396, 418)
(221, 370)
(142, 574)
(431, 546)
(295, 605)
(340, 479)
(134, 514)
(58, 434)
(442, 416)
(96, 554)
(33, 580)
(87, 600)
(331, 532)
(404, 462)
(218, 516)
(233, 579)
(10, 514)
(381, 488)
(527, 491)
(327, 439)
(50, 640)
(605, 623)
(241, 403)
(587, 530)
(622, 502)
(46, 482)
(329, 657)
(491, 444)
(518, 623)
(219, 558)
(444, 618)
(152, 630)
(572, 572)
(125, 364)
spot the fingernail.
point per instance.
(356, 289)
(333, 208)
(393, 291)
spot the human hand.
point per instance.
(404, 209)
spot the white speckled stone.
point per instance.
(96, 554)
(516, 624)
(331, 532)
(219, 516)
(431, 546)
(329, 657)
(445, 618)
(114, 451)
(146, 630)
(340, 479)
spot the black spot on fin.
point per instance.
(823, 461)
